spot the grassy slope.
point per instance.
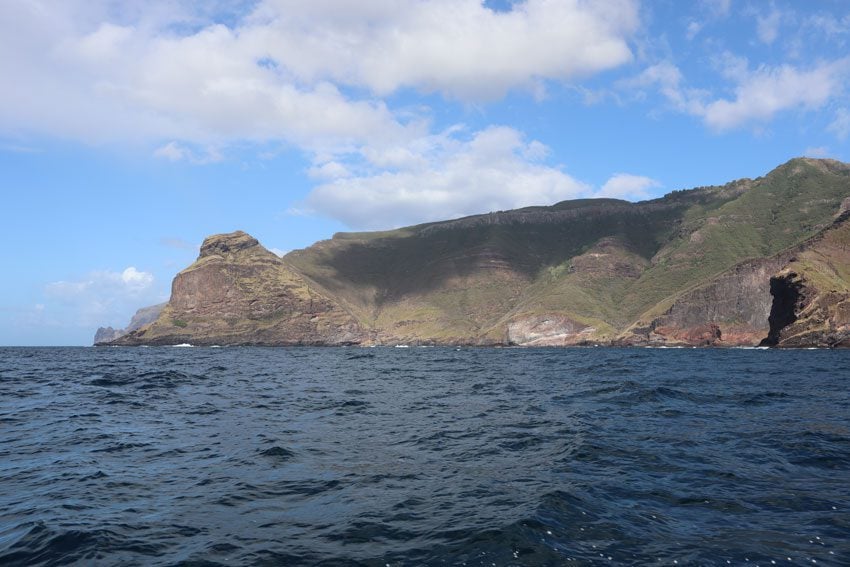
(825, 264)
(468, 278)
(787, 206)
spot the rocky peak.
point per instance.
(224, 244)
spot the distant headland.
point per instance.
(754, 262)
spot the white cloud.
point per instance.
(840, 125)
(767, 25)
(136, 281)
(449, 177)
(628, 186)
(102, 297)
(79, 77)
(128, 282)
(176, 152)
(758, 95)
(328, 170)
(769, 90)
(457, 47)
(100, 71)
(828, 24)
(669, 81)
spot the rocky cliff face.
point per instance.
(805, 316)
(754, 260)
(143, 316)
(730, 310)
(237, 292)
(811, 294)
(798, 298)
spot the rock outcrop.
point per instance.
(797, 298)
(548, 330)
(811, 295)
(237, 292)
(755, 261)
(730, 310)
(143, 316)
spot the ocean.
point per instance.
(424, 456)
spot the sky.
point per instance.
(130, 131)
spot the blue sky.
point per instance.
(130, 131)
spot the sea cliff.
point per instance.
(754, 262)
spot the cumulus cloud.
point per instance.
(454, 174)
(128, 282)
(446, 176)
(758, 95)
(458, 47)
(628, 186)
(135, 281)
(191, 79)
(276, 69)
(669, 81)
(768, 90)
(103, 297)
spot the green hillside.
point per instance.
(603, 264)
(736, 264)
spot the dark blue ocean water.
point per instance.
(424, 456)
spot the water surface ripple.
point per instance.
(424, 456)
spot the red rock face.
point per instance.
(771, 302)
(731, 310)
(707, 334)
(237, 292)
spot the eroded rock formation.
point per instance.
(237, 292)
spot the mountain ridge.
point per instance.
(693, 267)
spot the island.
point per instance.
(754, 262)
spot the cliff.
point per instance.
(142, 317)
(707, 266)
(811, 306)
(237, 292)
